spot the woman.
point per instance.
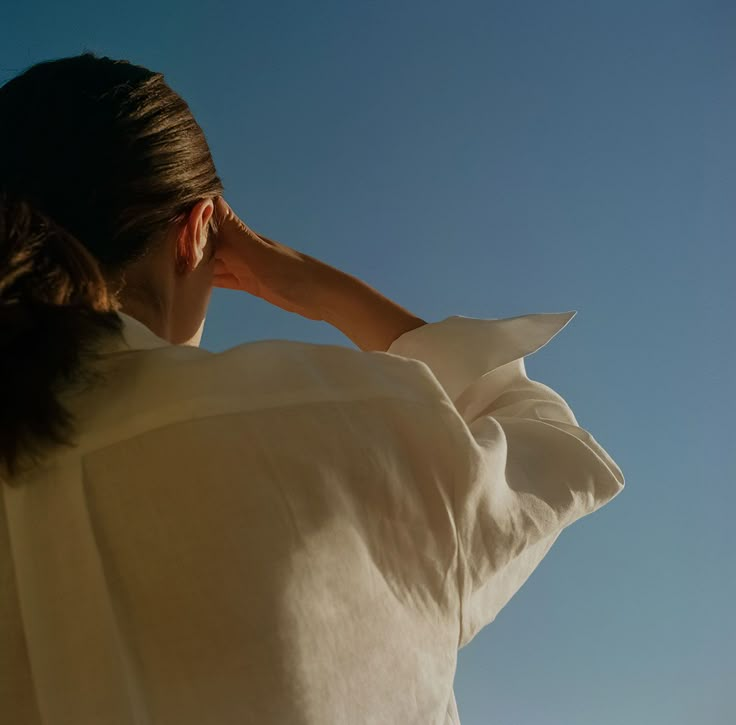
(279, 533)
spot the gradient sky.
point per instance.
(492, 159)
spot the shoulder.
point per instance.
(270, 369)
(144, 389)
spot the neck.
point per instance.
(152, 313)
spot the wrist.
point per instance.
(368, 318)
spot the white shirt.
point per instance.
(285, 532)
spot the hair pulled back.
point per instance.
(98, 159)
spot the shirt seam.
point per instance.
(54, 459)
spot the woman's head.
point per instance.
(106, 203)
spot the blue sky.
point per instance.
(492, 159)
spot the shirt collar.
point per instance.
(135, 336)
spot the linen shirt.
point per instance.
(285, 532)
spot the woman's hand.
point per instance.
(299, 283)
(264, 268)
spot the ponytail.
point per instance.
(99, 160)
(54, 304)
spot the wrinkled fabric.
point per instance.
(285, 532)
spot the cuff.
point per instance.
(459, 349)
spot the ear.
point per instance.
(193, 237)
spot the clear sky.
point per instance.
(492, 159)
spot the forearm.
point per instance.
(361, 313)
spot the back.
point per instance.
(276, 533)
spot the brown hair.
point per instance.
(98, 159)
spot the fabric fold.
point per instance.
(78, 662)
(461, 349)
(525, 469)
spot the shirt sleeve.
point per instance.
(531, 469)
